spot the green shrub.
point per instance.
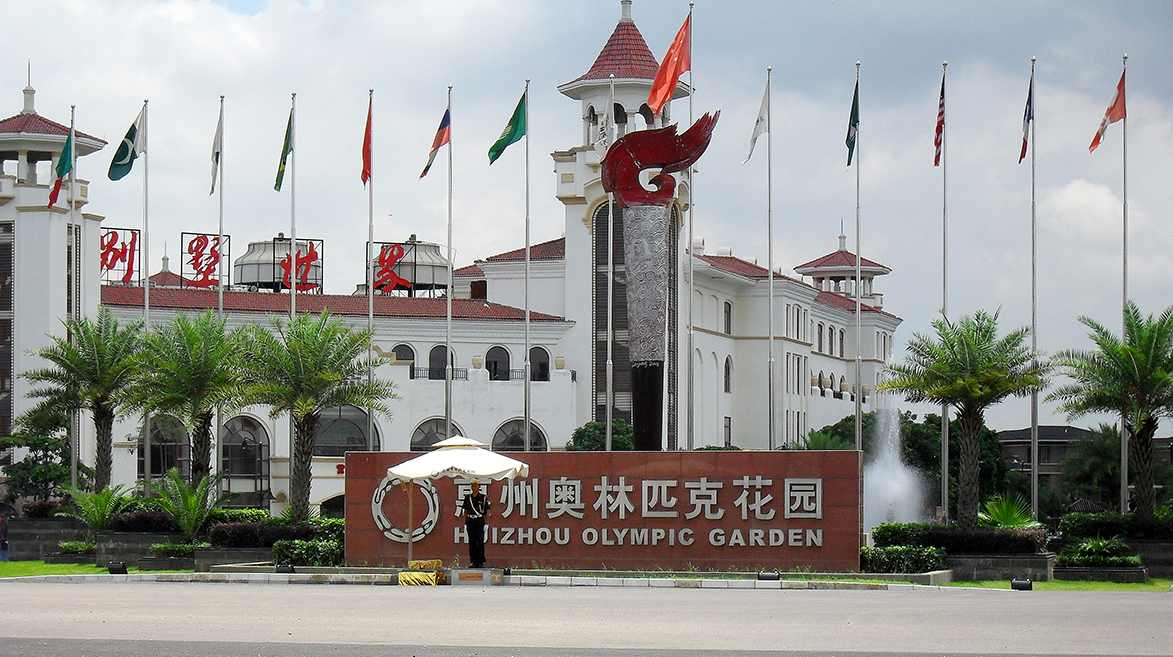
(1007, 511)
(309, 553)
(329, 529)
(718, 448)
(958, 541)
(186, 550)
(96, 509)
(239, 515)
(1127, 525)
(901, 559)
(592, 437)
(1098, 553)
(77, 547)
(153, 522)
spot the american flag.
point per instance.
(940, 137)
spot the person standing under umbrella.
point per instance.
(476, 508)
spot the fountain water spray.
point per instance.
(892, 491)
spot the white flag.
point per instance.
(216, 147)
(762, 124)
(603, 140)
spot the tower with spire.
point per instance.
(48, 255)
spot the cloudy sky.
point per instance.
(106, 57)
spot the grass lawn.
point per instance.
(1059, 585)
(31, 568)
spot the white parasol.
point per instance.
(455, 457)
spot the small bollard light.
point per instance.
(507, 571)
(116, 568)
(769, 575)
(284, 568)
(1021, 585)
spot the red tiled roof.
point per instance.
(264, 302)
(552, 250)
(38, 125)
(840, 301)
(839, 259)
(471, 270)
(626, 55)
(740, 267)
(167, 279)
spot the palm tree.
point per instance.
(967, 366)
(185, 369)
(90, 369)
(302, 368)
(1132, 377)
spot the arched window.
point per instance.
(842, 352)
(728, 374)
(508, 437)
(342, 429)
(405, 354)
(430, 432)
(539, 364)
(335, 507)
(170, 446)
(646, 112)
(244, 460)
(728, 318)
(819, 334)
(497, 362)
(436, 362)
(620, 115)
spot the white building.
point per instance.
(814, 346)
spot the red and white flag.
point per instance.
(939, 139)
(1027, 116)
(676, 62)
(366, 146)
(1114, 113)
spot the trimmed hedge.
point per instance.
(1095, 561)
(309, 553)
(238, 515)
(901, 559)
(40, 508)
(1092, 525)
(153, 522)
(957, 541)
(257, 535)
(77, 547)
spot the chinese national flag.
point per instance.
(676, 62)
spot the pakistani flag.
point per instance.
(285, 151)
(133, 145)
(853, 125)
(512, 133)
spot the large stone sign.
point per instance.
(628, 510)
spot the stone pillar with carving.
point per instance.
(647, 227)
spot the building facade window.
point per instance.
(728, 324)
(170, 447)
(497, 363)
(507, 438)
(819, 337)
(244, 460)
(429, 432)
(436, 362)
(728, 431)
(405, 354)
(842, 351)
(343, 429)
(539, 364)
(728, 374)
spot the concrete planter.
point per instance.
(972, 567)
(129, 547)
(207, 557)
(1119, 575)
(1157, 556)
(32, 539)
(166, 563)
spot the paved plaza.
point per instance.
(209, 619)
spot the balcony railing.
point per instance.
(437, 373)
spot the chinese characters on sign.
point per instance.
(308, 270)
(201, 262)
(118, 255)
(386, 279)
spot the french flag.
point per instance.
(1027, 116)
(443, 136)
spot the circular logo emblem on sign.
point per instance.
(391, 531)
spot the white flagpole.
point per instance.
(1034, 313)
(944, 290)
(608, 115)
(371, 267)
(858, 290)
(220, 243)
(769, 253)
(691, 256)
(146, 287)
(293, 252)
(1124, 313)
(526, 436)
(448, 319)
(75, 265)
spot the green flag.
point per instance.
(64, 166)
(512, 133)
(285, 151)
(133, 145)
(853, 125)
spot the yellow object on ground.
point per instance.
(425, 564)
(407, 578)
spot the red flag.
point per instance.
(677, 61)
(940, 137)
(1114, 113)
(366, 147)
